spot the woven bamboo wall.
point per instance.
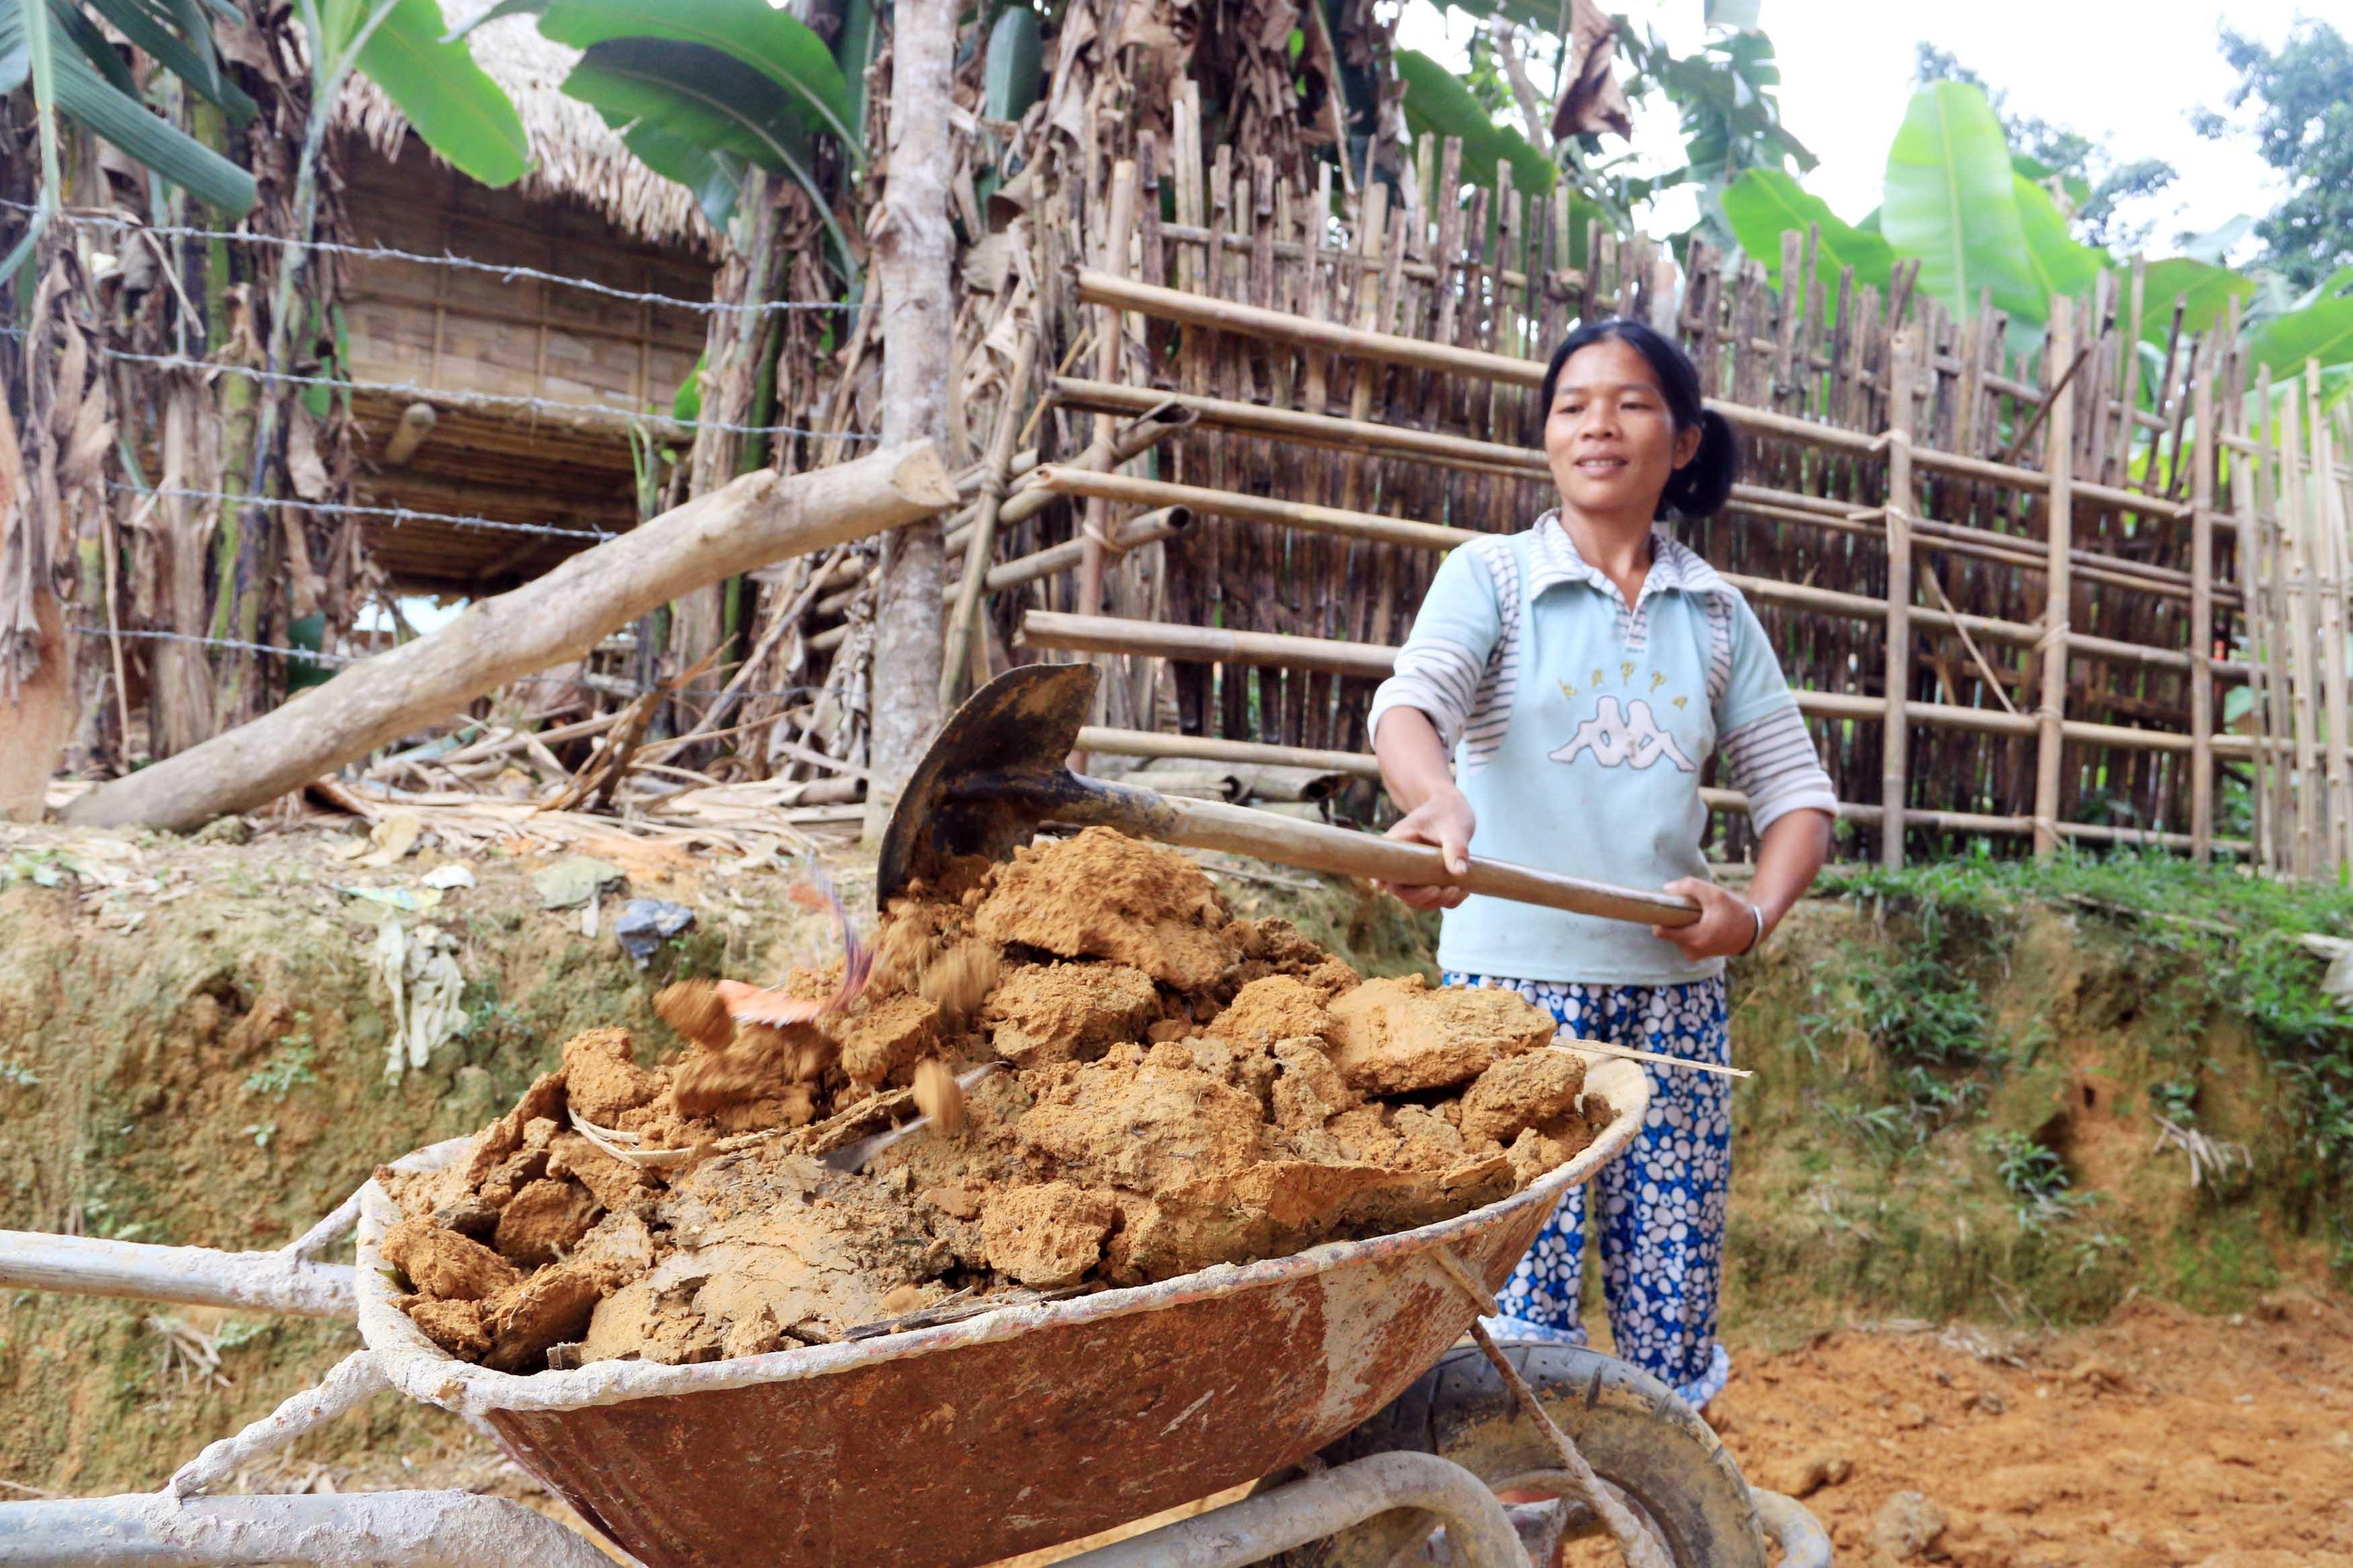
(468, 333)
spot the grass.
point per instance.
(1914, 1003)
(289, 1067)
(2213, 940)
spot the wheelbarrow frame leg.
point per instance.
(396, 1530)
(1257, 1528)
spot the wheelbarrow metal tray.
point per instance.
(1020, 1429)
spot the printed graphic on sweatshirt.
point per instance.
(1623, 735)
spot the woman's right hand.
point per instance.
(1445, 820)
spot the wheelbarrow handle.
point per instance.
(1319, 847)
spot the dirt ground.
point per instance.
(2158, 1438)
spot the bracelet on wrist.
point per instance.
(1758, 940)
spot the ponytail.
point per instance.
(1703, 484)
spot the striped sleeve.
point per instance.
(1772, 761)
(1444, 663)
(1768, 755)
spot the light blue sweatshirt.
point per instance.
(1578, 726)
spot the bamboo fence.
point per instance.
(2018, 605)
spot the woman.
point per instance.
(1578, 674)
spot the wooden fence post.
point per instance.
(2295, 574)
(2201, 602)
(2059, 460)
(2322, 558)
(1896, 734)
(1110, 330)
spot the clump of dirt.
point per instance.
(1185, 1088)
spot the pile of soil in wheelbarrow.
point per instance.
(1182, 1088)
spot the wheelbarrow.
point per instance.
(1021, 1428)
(970, 1441)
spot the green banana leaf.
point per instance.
(2059, 263)
(102, 55)
(1763, 204)
(2205, 289)
(706, 99)
(2078, 189)
(454, 105)
(2322, 330)
(1009, 84)
(853, 51)
(85, 96)
(186, 53)
(787, 52)
(1951, 200)
(504, 8)
(1017, 55)
(1437, 105)
(716, 178)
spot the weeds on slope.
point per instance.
(2217, 938)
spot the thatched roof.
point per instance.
(574, 152)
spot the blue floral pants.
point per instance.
(1662, 1200)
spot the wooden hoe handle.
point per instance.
(1319, 847)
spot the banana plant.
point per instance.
(74, 70)
(702, 93)
(1436, 105)
(1976, 216)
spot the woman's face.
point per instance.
(1609, 435)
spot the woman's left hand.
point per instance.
(1727, 926)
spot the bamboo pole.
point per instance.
(1901, 498)
(2202, 598)
(2279, 804)
(1112, 743)
(1443, 359)
(1302, 428)
(1254, 508)
(1371, 661)
(2296, 526)
(2321, 557)
(2059, 462)
(980, 548)
(1363, 765)
(1465, 453)
(1054, 480)
(2243, 458)
(1110, 334)
(1151, 528)
(750, 521)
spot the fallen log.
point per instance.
(756, 519)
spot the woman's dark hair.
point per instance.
(1702, 485)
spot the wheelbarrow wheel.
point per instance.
(1629, 1426)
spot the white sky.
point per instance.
(2130, 72)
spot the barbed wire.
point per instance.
(398, 514)
(479, 399)
(318, 655)
(504, 271)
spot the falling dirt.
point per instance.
(1187, 1089)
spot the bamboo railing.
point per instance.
(2015, 604)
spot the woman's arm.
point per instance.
(1421, 710)
(1789, 856)
(1414, 770)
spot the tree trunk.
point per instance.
(182, 697)
(758, 519)
(914, 253)
(37, 719)
(37, 685)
